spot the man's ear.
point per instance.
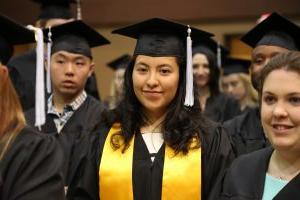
(46, 64)
(3, 68)
(92, 68)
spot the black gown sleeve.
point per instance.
(85, 169)
(217, 156)
(31, 168)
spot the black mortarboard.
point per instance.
(160, 37)
(235, 65)
(53, 9)
(120, 62)
(75, 37)
(276, 31)
(208, 45)
(211, 47)
(12, 33)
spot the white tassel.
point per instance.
(189, 91)
(79, 13)
(49, 44)
(39, 88)
(219, 56)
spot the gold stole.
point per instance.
(181, 173)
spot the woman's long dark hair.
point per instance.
(181, 123)
(214, 74)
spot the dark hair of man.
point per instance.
(289, 61)
(214, 72)
(180, 126)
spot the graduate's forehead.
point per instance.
(69, 55)
(157, 61)
(267, 51)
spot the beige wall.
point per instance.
(120, 45)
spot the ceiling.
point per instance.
(114, 12)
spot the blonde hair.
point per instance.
(251, 98)
(116, 92)
(11, 114)
(115, 97)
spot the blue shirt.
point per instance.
(272, 187)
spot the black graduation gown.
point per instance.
(31, 168)
(22, 72)
(246, 132)
(291, 190)
(147, 176)
(245, 178)
(83, 121)
(221, 107)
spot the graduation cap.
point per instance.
(236, 65)
(52, 9)
(74, 37)
(211, 47)
(275, 30)
(12, 33)
(120, 62)
(161, 37)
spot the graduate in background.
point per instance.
(272, 36)
(71, 112)
(22, 67)
(236, 81)
(273, 172)
(214, 104)
(30, 162)
(157, 135)
(119, 66)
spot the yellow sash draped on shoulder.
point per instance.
(181, 173)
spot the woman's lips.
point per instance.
(282, 128)
(152, 94)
